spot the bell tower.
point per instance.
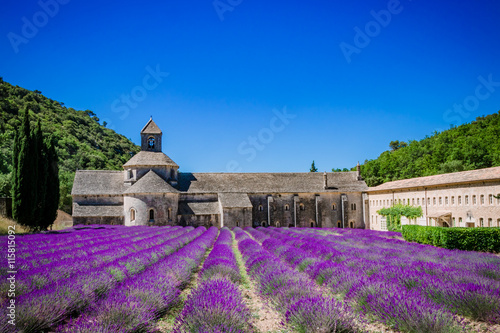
(151, 137)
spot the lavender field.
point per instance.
(185, 279)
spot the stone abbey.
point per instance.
(151, 191)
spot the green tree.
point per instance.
(35, 195)
(394, 213)
(313, 167)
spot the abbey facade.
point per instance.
(151, 191)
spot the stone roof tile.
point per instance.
(150, 183)
(199, 208)
(97, 210)
(150, 158)
(235, 200)
(98, 182)
(151, 128)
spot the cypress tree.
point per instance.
(40, 155)
(52, 184)
(35, 196)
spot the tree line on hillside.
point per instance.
(80, 141)
(471, 146)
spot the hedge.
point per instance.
(468, 239)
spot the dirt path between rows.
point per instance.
(264, 317)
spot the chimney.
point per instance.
(358, 170)
(325, 180)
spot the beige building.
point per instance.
(461, 199)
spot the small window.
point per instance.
(453, 222)
(302, 207)
(404, 201)
(169, 213)
(263, 224)
(440, 200)
(287, 207)
(351, 224)
(490, 222)
(452, 200)
(237, 223)
(498, 222)
(482, 199)
(334, 207)
(353, 206)
(312, 224)
(277, 224)
(490, 199)
(473, 199)
(428, 201)
(460, 221)
(466, 199)
(261, 208)
(418, 201)
(151, 142)
(151, 215)
(434, 201)
(172, 173)
(459, 199)
(132, 215)
(446, 200)
(413, 201)
(130, 174)
(481, 222)
(339, 224)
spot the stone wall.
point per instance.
(160, 204)
(98, 220)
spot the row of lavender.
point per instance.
(217, 304)
(306, 308)
(136, 303)
(42, 270)
(44, 308)
(407, 286)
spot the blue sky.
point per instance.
(260, 86)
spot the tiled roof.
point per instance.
(151, 128)
(199, 208)
(307, 182)
(97, 210)
(150, 183)
(235, 200)
(444, 179)
(150, 158)
(98, 182)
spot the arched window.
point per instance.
(339, 224)
(261, 208)
(351, 224)
(263, 224)
(132, 215)
(287, 207)
(302, 207)
(277, 224)
(466, 199)
(237, 223)
(312, 224)
(334, 207)
(353, 206)
(490, 222)
(151, 142)
(481, 222)
(151, 215)
(172, 173)
(169, 213)
(473, 199)
(482, 199)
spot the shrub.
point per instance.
(467, 239)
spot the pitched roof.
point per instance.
(234, 200)
(98, 182)
(307, 182)
(97, 210)
(199, 208)
(444, 179)
(151, 128)
(150, 158)
(150, 183)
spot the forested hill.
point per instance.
(466, 147)
(82, 143)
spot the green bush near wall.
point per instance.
(468, 239)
